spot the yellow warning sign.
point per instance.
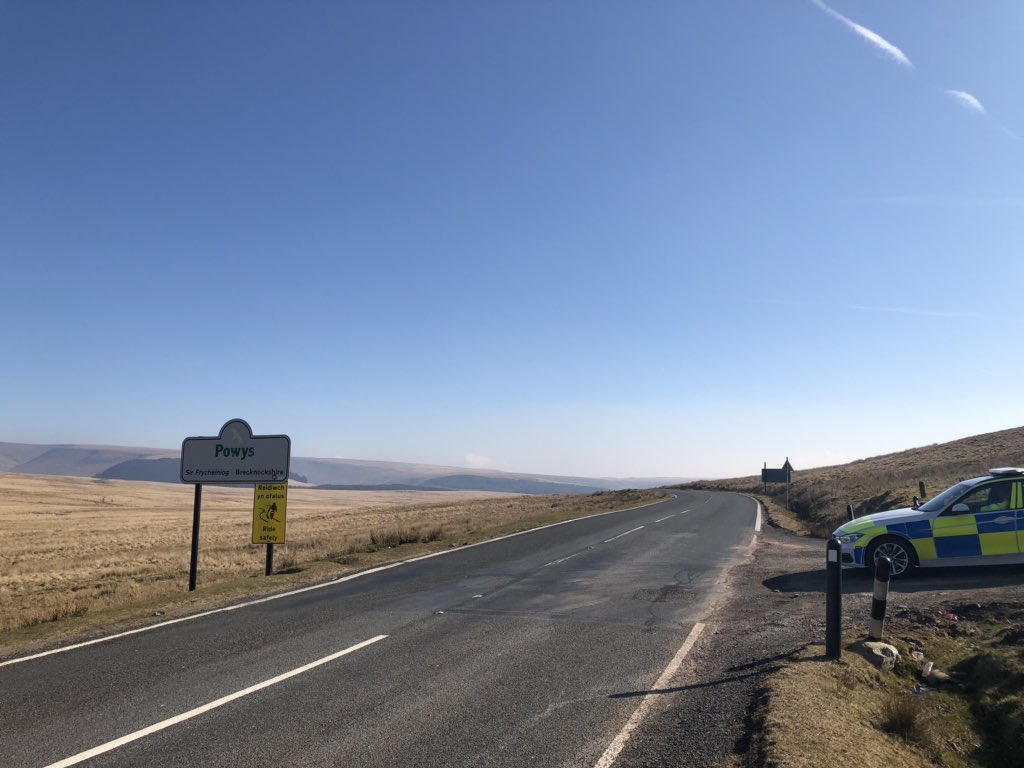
(269, 504)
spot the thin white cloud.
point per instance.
(788, 302)
(872, 37)
(972, 104)
(1009, 131)
(968, 101)
(914, 312)
(477, 461)
(951, 201)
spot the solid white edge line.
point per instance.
(613, 538)
(111, 745)
(757, 523)
(613, 750)
(312, 587)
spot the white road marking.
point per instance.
(608, 758)
(560, 560)
(312, 587)
(111, 745)
(680, 512)
(613, 538)
(757, 523)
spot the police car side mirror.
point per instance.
(960, 509)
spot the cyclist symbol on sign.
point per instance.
(267, 515)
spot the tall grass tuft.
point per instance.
(904, 717)
(394, 537)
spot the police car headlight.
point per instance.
(849, 538)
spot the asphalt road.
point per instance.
(530, 650)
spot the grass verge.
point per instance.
(854, 714)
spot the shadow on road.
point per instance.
(681, 688)
(759, 667)
(922, 580)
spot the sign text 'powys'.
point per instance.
(233, 452)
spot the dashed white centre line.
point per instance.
(613, 538)
(561, 560)
(110, 745)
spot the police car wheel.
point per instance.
(900, 554)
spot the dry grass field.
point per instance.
(76, 546)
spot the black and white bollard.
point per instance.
(883, 567)
(833, 600)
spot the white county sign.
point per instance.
(236, 455)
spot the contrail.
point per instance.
(914, 312)
(872, 37)
(972, 104)
(969, 101)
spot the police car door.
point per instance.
(1017, 505)
(980, 524)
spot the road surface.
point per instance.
(534, 649)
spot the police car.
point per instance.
(976, 522)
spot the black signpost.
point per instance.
(235, 456)
(193, 564)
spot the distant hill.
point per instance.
(384, 487)
(357, 471)
(72, 460)
(163, 466)
(509, 485)
(17, 454)
(819, 496)
(148, 470)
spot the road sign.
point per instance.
(781, 475)
(269, 508)
(236, 455)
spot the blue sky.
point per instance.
(596, 238)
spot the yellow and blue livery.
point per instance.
(976, 522)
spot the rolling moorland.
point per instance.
(818, 497)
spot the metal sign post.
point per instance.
(193, 563)
(235, 455)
